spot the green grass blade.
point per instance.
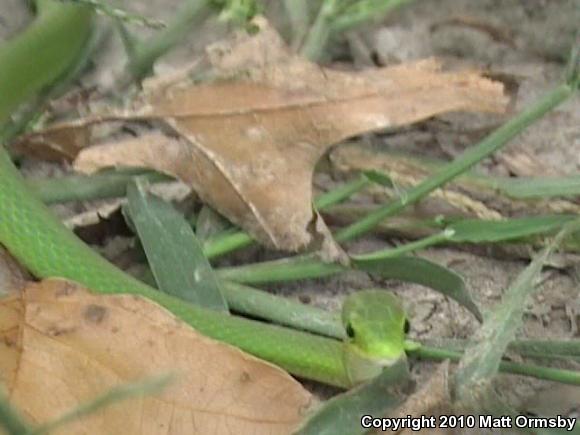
(547, 373)
(286, 269)
(484, 231)
(404, 249)
(109, 184)
(363, 11)
(173, 251)
(528, 348)
(538, 187)
(424, 272)
(483, 357)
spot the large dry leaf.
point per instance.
(74, 345)
(249, 141)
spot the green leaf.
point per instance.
(342, 414)
(173, 251)
(539, 187)
(379, 178)
(482, 231)
(482, 358)
(424, 272)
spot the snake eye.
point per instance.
(407, 326)
(349, 330)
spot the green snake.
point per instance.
(374, 319)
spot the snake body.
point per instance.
(41, 243)
(47, 248)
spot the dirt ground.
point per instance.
(523, 42)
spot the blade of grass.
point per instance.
(364, 11)
(319, 33)
(110, 184)
(538, 187)
(299, 18)
(286, 269)
(424, 272)
(483, 357)
(173, 251)
(407, 248)
(529, 348)
(482, 231)
(145, 53)
(547, 373)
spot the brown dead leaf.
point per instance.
(76, 345)
(61, 142)
(249, 141)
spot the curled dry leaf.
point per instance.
(55, 143)
(74, 345)
(248, 141)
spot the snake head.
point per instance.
(375, 323)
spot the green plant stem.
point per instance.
(423, 243)
(320, 31)
(145, 54)
(469, 158)
(84, 188)
(347, 21)
(299, 19)
(287, 269)
(547, 373)
(486, 349)
(544, 349)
